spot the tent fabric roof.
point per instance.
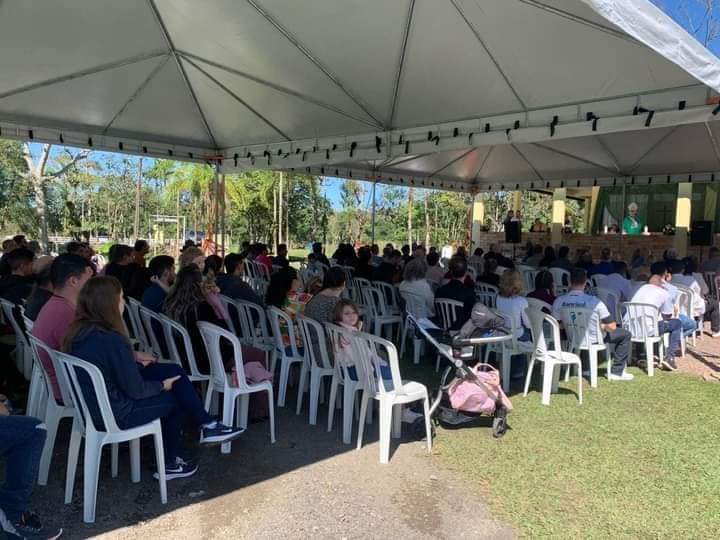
(455, 94)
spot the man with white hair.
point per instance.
(632, 224)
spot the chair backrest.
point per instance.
(94, 393)
(212, 336)
(8, 309)
(250, 271)
(448, 311)
(276, 316)
(360, 284)
(37, 345)
(580, 324)
(561, 278)
(641, 320)
(486, 297)
(151, 324)
(136, 323)
(687, 301)
(312, 332)
(370, 350)
(255, 317)
(390, 295)
(335, 334)
(233, 320)
(597, 280)
(528, 276)
(611, 299)
(173, 331)
(414, 303)
(536, 303)
(710, 278)
(472, 272)
(486, 287)
(537, 320)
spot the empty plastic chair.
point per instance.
(289, 354)
(317, 363)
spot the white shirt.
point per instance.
(691, 283)
(422, 290)
(578, 299)
(656, 296)
(515, 306)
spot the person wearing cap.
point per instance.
(632, 224)
(654, 293)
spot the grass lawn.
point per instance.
(635, 460)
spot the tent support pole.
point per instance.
(373, 212)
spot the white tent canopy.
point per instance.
(467, 95)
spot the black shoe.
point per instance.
(217, 433)
(179, 469)
(669, 363)
(28, 526)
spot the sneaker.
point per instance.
(669, 363)
(179, 469)
(715, 334)
(622, 377)
(27, 526)
(217, 433)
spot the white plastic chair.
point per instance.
(641, 320)
(561, 278)
(487, 294)
(536, 303)
(38, 391)
(379, 312)
(221, 382)
(98, 436)
(507, 349)
(136, 327)
(687, 302)
(578, 323)
(350, 386)
(552, 359)
(472, 273)
(368, 349)
(413, 304)
(528, 276)
(148, 319)
(255, 330)
(317, 362)
(23, 356)
(611, 299)
(447, 310)
(289, 354)
(174, 332)
(53, 411)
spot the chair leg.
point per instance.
(284, 374)
(397, 421)
(417, 347)
(301, 387)
(348, 409)
(428, 428)
(315, 381)
(114, 453)
(228, 414)
(52, 420)
(580, 385)
(135, 461)
(361, 424)
(242, 410)
(593, 358)
(548, 377)
(72, 461)
(271, 412)
(331, 404)
(91, 472)
(403, 339)
(650, 357)
(528, 377)
(385, 428)
(160, 460)
(505, 370)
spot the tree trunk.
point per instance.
(41, 209)
(410, 211)
(287, 214)
(427, 223)
(138, 188)
(280, 210)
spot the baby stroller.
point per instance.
(471, 394)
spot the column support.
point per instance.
(478, 220)
(516, 200)
(682, 218)
(558, 215)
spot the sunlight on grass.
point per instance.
(636, 460)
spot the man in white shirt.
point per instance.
(655, 294)
(705, 307)
(689, 325)
(618, 337)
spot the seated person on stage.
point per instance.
(17, 286)
(43, 290)
(139, 392)
(654, 293)
(705, 305)
(544, 287)
(68, 274)
(455, 289)
(232, 284)
(416, 284)
(490, 275)
(632, 224)
(612, 333)
(162, 275)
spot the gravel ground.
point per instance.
(703, 359)
(307, 484)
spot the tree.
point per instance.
(701, 18)
(39, 178)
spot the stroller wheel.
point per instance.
(500, 422)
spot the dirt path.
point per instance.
(307, 484)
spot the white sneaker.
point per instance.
(624, 377)
(715, 334)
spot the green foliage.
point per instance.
(16, 195)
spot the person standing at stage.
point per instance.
(632, 224)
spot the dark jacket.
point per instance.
(16, 288)
(112, 354)
(455, 290)
(235, 288)
(35, 303)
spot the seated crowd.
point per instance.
(79, 307)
